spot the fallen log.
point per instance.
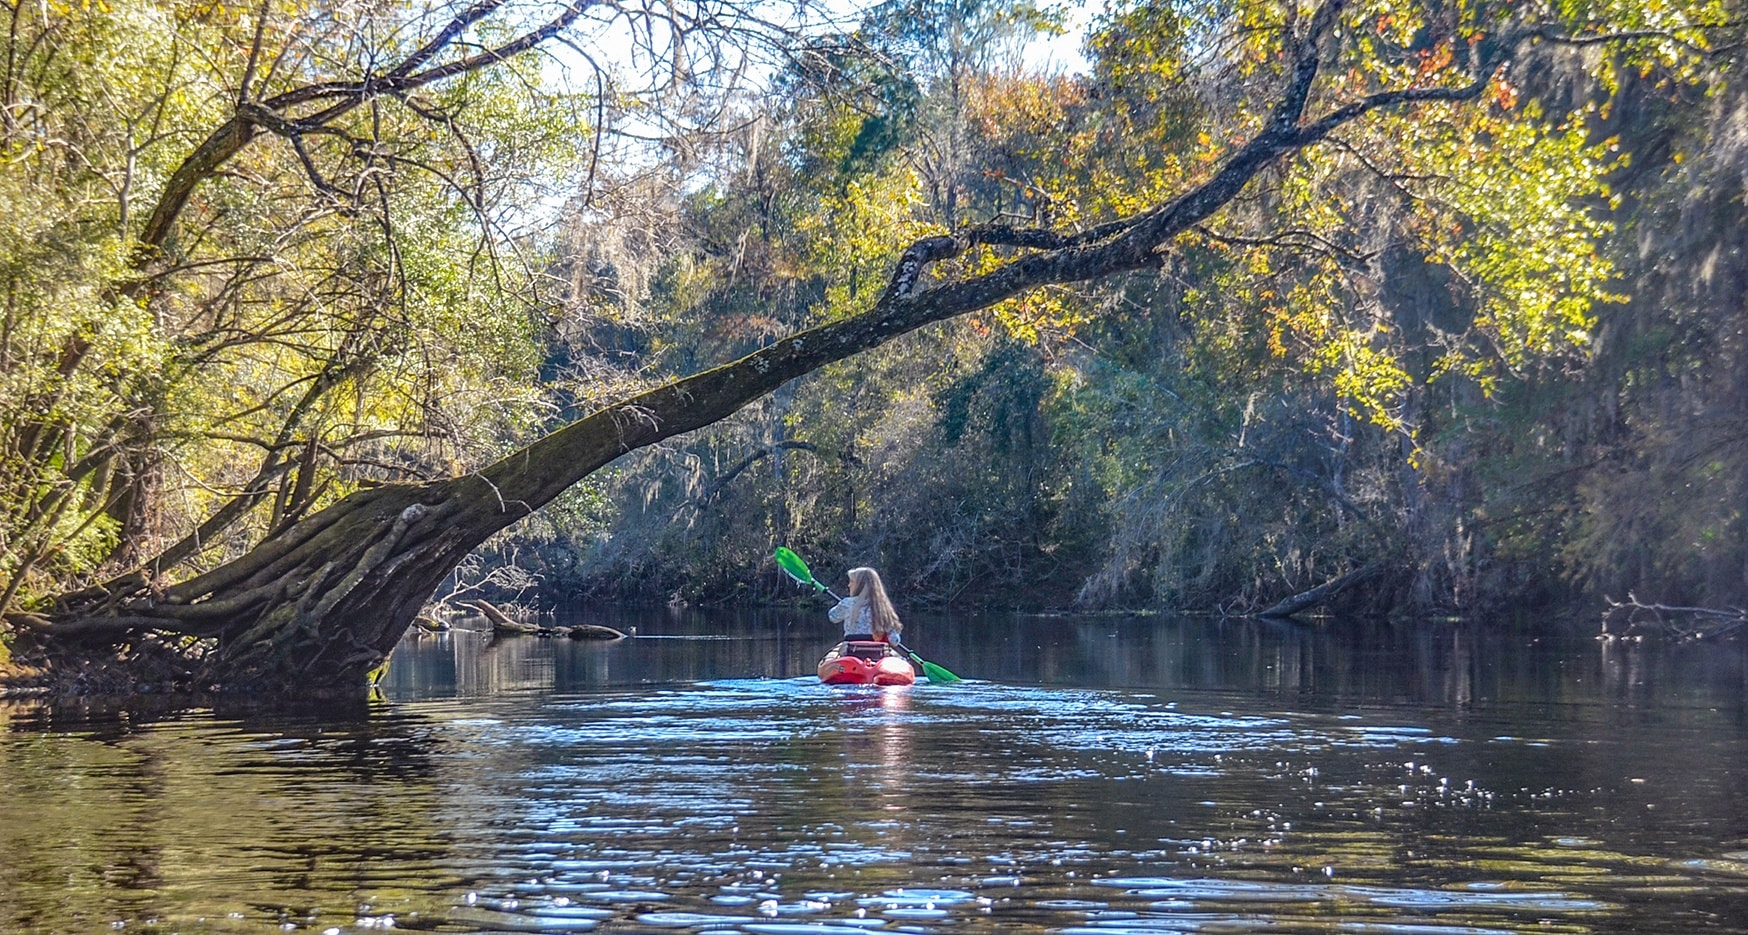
(500, 621)
(504, 623)
(591, 631)
(1305, 600)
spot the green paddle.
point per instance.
(794, 567)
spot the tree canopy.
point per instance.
(1350, 365)
(292, 292)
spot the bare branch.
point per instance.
(400, 80)
(1314, 132)
(720, 483)
(1548, 34)
(230, 138)
(254, 52)
(1632, 617)
(448, 34)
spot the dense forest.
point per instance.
(1434, 303)
(1480, 358)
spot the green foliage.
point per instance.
(1307, 387)
(356, 311)
(854, 238)
(1328, 371)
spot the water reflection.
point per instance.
(1352, 663)
(197, 817)
(1102, 776)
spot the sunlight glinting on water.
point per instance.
(779, 806)
(659, 807)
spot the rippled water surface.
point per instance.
(1103, 777)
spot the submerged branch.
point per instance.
(1633, 618)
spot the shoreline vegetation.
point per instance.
(309, 321)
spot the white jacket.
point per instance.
(855, 614)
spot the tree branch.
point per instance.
(1314, 132)
(721, 482)
(1547, 34)
(1686, 624)
(230, 138)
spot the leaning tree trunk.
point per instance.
(321, 602)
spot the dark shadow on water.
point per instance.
(98, 714)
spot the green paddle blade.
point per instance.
(794, 567)
(935, 673)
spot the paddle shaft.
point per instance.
(796, 568)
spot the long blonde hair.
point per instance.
(865, 583)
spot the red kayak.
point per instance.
(859, 663)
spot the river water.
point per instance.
(1096, 776)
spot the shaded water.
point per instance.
(1099, 777)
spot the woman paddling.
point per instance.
(867, 614)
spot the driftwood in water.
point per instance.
(1633, 617)
(500, 621)
(504, 623)
(593, 631)
(1326, 591)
